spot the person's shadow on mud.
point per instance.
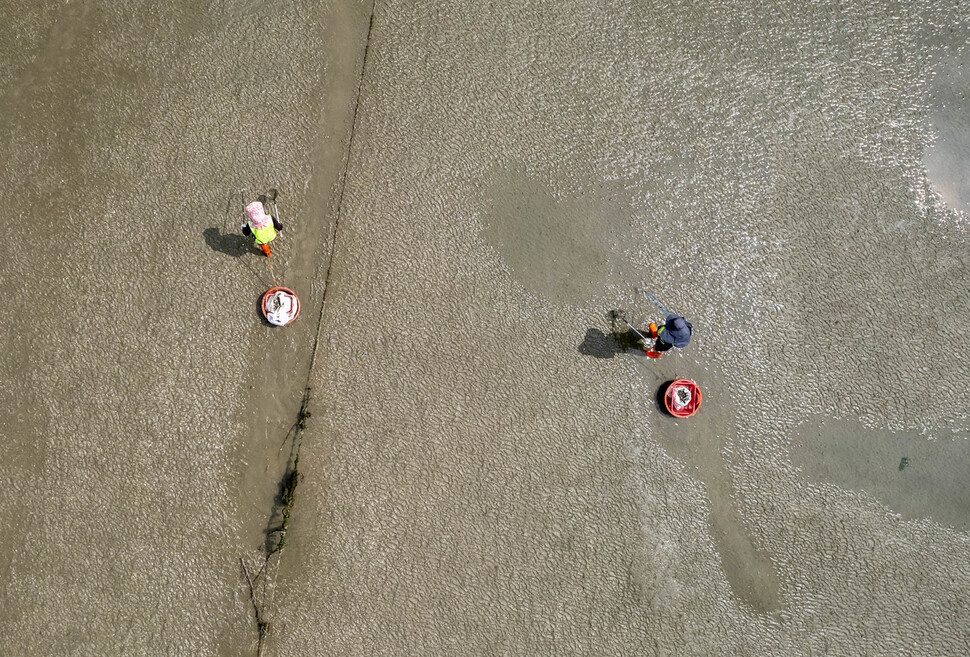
(232, 244)
(606, 345)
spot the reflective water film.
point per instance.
(475, 196)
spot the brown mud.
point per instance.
(486, 470)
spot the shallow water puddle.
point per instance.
(916, 477)
(947, 159)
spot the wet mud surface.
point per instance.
(146, 400)
(559, 247)
(947, 156)
(915, 477)
(486, 469)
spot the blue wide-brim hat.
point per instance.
(676, 331)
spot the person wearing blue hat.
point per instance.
(674, 333)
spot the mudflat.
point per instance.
(472, 194)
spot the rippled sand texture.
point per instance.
(497, 484)
(486, 470)
(142, 401)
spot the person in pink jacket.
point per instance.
(261, 227)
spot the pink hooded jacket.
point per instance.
(257, 216)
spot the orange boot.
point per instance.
(653, 331)
(654, 354)
(265, 248)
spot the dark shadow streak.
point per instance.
(659, 398)
(259, 311)
(606, 345)
(233, 244)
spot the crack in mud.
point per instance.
(262, 585)
(261, 588)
